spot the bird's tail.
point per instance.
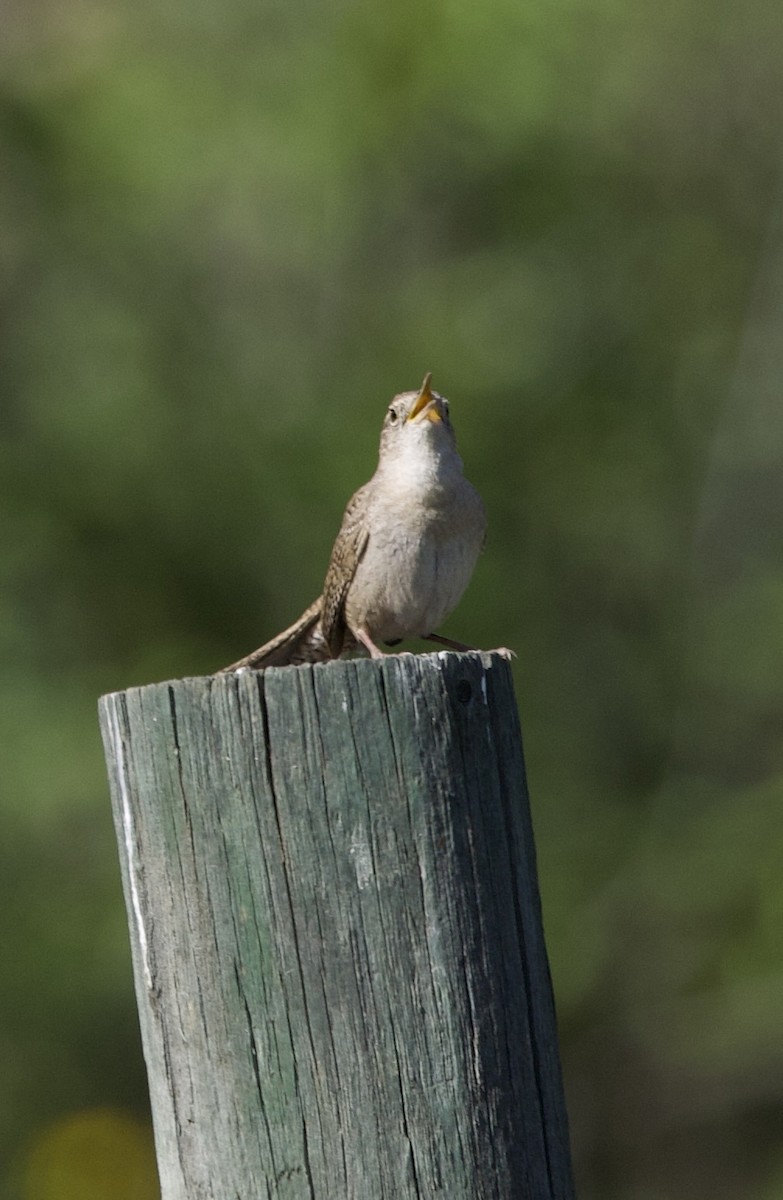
(301, 642)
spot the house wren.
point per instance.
(406, 548)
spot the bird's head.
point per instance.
(417, 419)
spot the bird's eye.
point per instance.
(392, 416)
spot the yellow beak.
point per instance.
(425, 405)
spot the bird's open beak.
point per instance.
(426, 405)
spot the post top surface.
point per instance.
(415, 665)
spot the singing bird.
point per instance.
(406, 549)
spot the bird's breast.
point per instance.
(417, 563)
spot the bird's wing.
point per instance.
(347, 551)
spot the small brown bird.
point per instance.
(406, 548)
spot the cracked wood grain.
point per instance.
(342, 981)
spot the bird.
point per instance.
(406, 549)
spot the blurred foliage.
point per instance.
(229, 234)
(93, 1155)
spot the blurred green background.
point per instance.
(228, 234)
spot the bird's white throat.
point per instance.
(421, 467)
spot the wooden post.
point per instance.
(337, 944)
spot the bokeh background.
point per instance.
(229, 232)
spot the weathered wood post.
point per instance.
(337, 944)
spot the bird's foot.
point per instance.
(448, 642)
(363, 636)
